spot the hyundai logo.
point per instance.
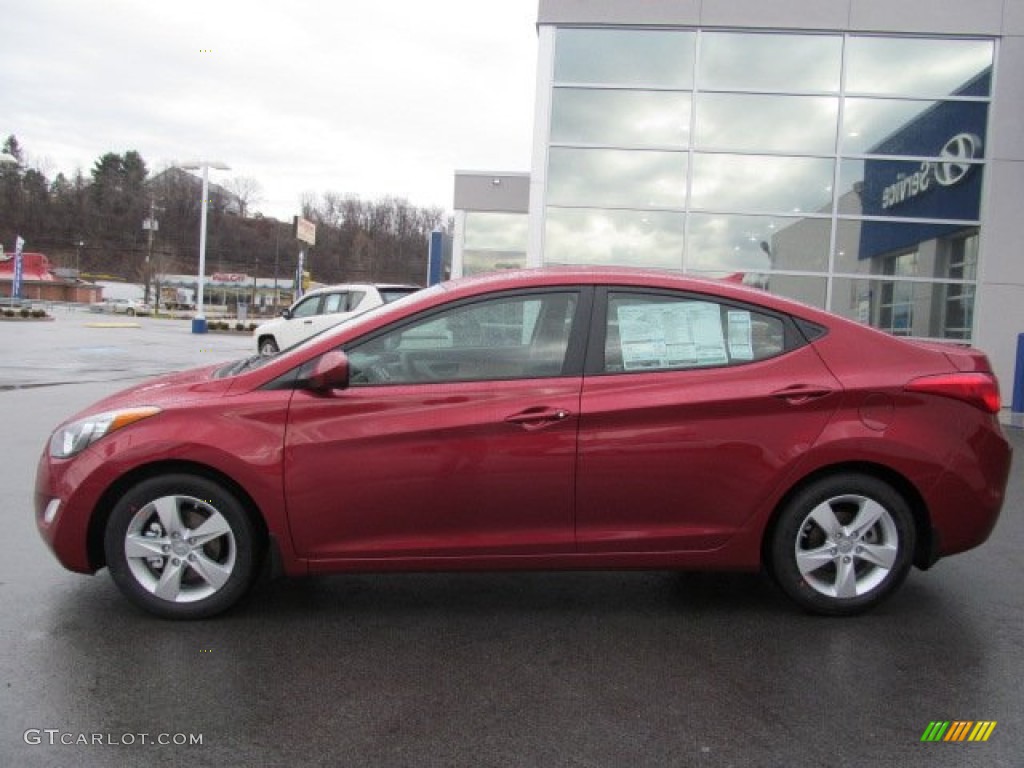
(956, 157)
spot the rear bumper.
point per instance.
(966, 501)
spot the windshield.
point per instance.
(401, 296)
(239, 366)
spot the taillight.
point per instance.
(979, 389)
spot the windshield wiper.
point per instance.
(235, 368)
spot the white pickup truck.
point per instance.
(323, 308)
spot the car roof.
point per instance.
(641, 278)
(627, 276)
(471, 287)
(359, 286)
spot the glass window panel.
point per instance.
(759, 183)
(809, 290)
(496, 231)
(960, 254)
(620, 118)
(606, 177)
(866, 247)
(922, 309)
(756, 61)
(922, 128)
(624, 238)
(732, 243)
(662, 58)
(475, 262)
(762, 123)
(948, 188)
(958, 316)
(918, 66)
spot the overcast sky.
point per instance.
(368, 98)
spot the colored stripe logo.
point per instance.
(958, 730)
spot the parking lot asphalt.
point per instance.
(80, 347)
(539, 669)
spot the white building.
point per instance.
(866, 156)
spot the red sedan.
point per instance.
(547, 419)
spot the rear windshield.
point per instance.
(392, 294)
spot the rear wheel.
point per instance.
(268, 346)
(843, 544)
(181, 546)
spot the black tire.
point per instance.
(268, 346)
(160, 567)
(827, 561)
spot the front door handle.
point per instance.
(538, 417)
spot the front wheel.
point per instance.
(181, 546)
(843, 544)
(268, 346)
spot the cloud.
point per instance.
(305, 97)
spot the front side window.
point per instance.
(647, 332)
(509, 337)
(307, 307)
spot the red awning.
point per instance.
(34, 266)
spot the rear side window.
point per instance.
(343, 301)
(649, 332)
(334, 302)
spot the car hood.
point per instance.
(163, 391)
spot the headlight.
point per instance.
(78, 435)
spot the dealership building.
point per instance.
(864, 156)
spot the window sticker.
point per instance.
(741, 345)
(671, 335)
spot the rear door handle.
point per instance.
(797, 394)
(538, 417)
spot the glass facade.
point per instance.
(843, 170)
(494, 240)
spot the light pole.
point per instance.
(199, 321)
(151, 225)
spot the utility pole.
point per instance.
(150, 225)
(277, 247)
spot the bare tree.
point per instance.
(247, 192)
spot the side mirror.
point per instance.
(286, 313)
(329, 372)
